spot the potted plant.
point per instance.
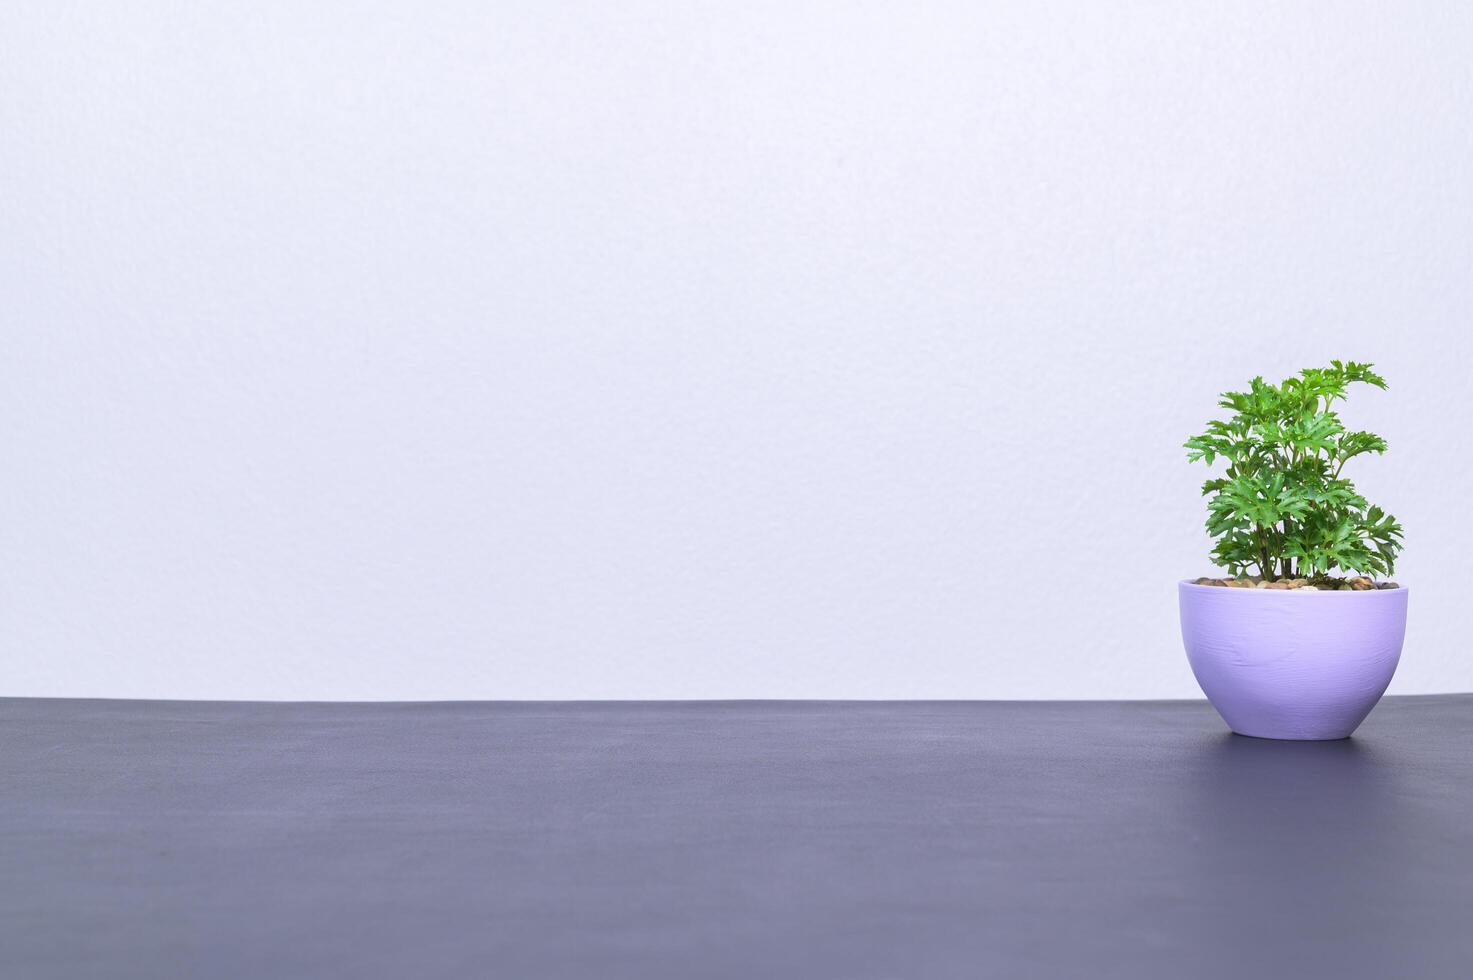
(1300, 639)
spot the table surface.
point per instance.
(729, 839)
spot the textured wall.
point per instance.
(430, 350)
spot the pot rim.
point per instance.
(1189, 584)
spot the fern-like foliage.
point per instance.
(1283, 508)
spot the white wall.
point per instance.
(530, 350)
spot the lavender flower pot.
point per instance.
(1291, 664)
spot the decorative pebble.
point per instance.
(1359, 583)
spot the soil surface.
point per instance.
(1357, 584)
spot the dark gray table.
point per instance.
(754, 840)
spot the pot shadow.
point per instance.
(1294, 863)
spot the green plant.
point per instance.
(1283, 507)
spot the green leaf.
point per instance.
(1283, 494)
